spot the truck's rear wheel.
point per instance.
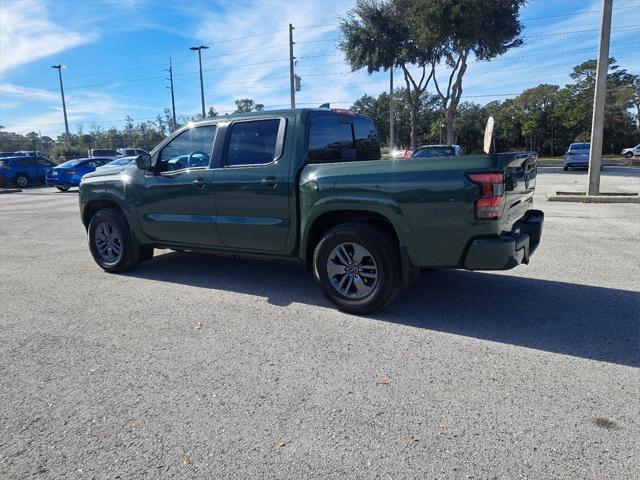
(357, 267)
(110, 241)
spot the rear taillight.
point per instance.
(491, 202)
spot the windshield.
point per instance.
(579, 146)
(434, 152)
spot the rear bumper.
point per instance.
(508, 250)
(58, 182)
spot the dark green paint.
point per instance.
(428, 201)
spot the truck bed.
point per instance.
(430, 201)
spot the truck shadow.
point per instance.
(583, 321)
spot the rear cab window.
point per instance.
(579, 146)
(342, 138)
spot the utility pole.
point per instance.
(392, 140)
(199, 49)
(599, 101)
(291, 72)
(173, 101)
(64, 105)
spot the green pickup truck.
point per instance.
(309, 183)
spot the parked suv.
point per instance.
(102, 153)
(130, 152)
(310, 184)
(631, 152)
(29, 153)
(23, 171)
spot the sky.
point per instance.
(115, 54)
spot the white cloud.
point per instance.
(83, 108)
(27, 34)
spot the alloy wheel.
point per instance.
(108, 242)
(352, 270)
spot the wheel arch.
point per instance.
(330, 219)
(98, 204)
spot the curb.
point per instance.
(606, 163)
(594, 198)
(10, 190)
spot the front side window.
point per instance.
(45, 163)
(192, 148)
(253, 142)
(331, 139)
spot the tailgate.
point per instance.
(520, 170)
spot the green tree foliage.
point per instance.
(546, 118)
(383, 35)
(378, 109)
(245, 105)
(453, 30)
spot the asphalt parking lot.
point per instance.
(205, 367)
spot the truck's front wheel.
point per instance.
(110, 241)
(357, 267)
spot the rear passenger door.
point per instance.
(252, 186)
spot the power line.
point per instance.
(283, 105)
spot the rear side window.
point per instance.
(340, 138)
(253, 143)
(366, 137)
(331, 139)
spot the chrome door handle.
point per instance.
(199, 182)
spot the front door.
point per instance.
(176, 200)
(252, 187)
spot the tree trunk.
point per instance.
(450, 132)
(414, 125)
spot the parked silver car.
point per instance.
(577, 155)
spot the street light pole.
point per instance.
(600, 97)
(199, 49)
(64, 106)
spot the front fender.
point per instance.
(110, 189)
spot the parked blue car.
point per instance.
(577, 156)
(68, 174)
(23, 171)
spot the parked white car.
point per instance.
(130, 152)
(631, 152)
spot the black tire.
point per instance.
(22, 180)
(628, 155)
(63, 188)
(383, 252)
(128, 256)
(145, 254)
(565, 168)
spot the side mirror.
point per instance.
(143, 161)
